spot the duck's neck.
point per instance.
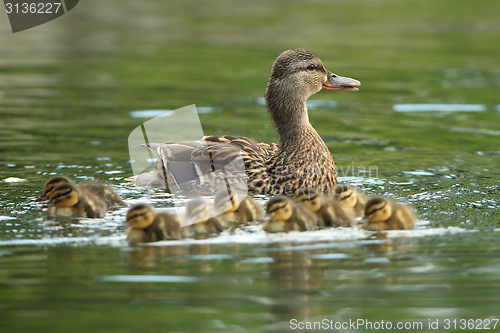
(287, 110)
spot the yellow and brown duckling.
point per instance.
(350, 199)
(329, 212)
(99, 191)
(146, 225)
(230, 207)
(70, 201)
(295, 76)
(384, 214)
(201, 220)
(286, 215)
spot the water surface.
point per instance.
(68, 90)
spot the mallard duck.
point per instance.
(300, 160)
(229, 206)
(100, 191)
(285, 215)
(329, 212)
(384, 214)
(350, 199)
(147, 225)
(201, 220)
(70, 201)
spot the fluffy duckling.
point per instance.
(98, 190)
(70, 201)
(201, 219)
(231, 208)
(350, 199)
(285, 215)
(384, 214)
(328, 211)
(145, 225)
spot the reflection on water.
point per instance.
(439, 107)
(149, 279)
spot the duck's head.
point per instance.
(346, 195)
(296, 75)
(377, 210)
(279, 208)
(64, 195)
(311, 198)
(197, 210)
(140, 216)
(226, 201)
(51, 184)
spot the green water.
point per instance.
(66, 92)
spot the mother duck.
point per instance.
(300, 160)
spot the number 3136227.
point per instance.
(33, 8)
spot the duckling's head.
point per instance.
(140, 216)
(296, 75)
(197, 210)
(279, 208)
(51, 184)
(377, 209)
(311, 198)
(346, 195)
(64, 195)
(226, 201)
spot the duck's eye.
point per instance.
(311, 67)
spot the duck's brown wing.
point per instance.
(175, 166)
(255, 157)
(209, 164)
(225, 148)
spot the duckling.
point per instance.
(329, 212)
(384, 214)
(51, 184)
(68, 200)
(350, 199)
(147, 225)
(101, 191)
(201, 219)
(285, 215)
(231, 208)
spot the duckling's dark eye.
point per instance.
(311, 67)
